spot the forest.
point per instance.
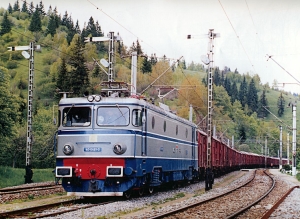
(244, 109)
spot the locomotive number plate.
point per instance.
(92, 149)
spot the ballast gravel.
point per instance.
(119, 208)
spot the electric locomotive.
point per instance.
(110, 145)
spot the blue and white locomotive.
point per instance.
(110, 145)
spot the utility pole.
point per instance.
(294, 140)
(31, 48)
(288, 147)
(208, 60)
(133, 72)
(280, 149)
(266, 151)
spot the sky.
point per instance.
(250, 31)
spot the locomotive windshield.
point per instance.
(113, 116)
(76, 116)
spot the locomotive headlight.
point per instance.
(68, 149)
(90, 98)
(97, 98)
(119, 148)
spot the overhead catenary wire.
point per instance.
(237, 36)
(106, 14)
(160, 75)
(270, 57)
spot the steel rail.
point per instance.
(268, 213)
(162, 215)
(255, 202)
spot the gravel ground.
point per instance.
(290, 208)
(163, 201)
(4, 198)
(114, 209)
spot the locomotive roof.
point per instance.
(77, 101)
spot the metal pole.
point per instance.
(29, 103)
(288, 147)
(28, 170)
(191, 113)
(209, 171)
(266, 146)
(133, 72)
(294, 141)
(280, 149)
(111, 57)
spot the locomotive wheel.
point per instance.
(141, 192)
(127, 194)
(150, 190)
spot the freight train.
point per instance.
(113, 144)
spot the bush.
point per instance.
(12, 73)
(11, 64)
(287, 167)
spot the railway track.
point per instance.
(281, 200)
(8, 191)
(229, 204)
(50, 210)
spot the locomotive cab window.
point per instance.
(76, 116)
(137, 117)
(113, 116)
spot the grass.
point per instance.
(15, 176)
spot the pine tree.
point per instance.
(243, 92)
(9, 9)
(252, 97)
(216, 78)
(77, 28)
(146, 66)
(42, 9)
(16, 6)
(280, 105)
(139, 48)
(51, 28)
(91, 28)
(35, 24)
(227, 85)
(57, 18)
(50, 12)
(24, 7)
(262, 111)
(79, 80)
(62, 77)
(222, 79)
(234, 93)
(6, 25)
(98, 30)
(31, 9)
(64, 20)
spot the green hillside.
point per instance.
(65, 59)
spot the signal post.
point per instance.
(208, 60)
